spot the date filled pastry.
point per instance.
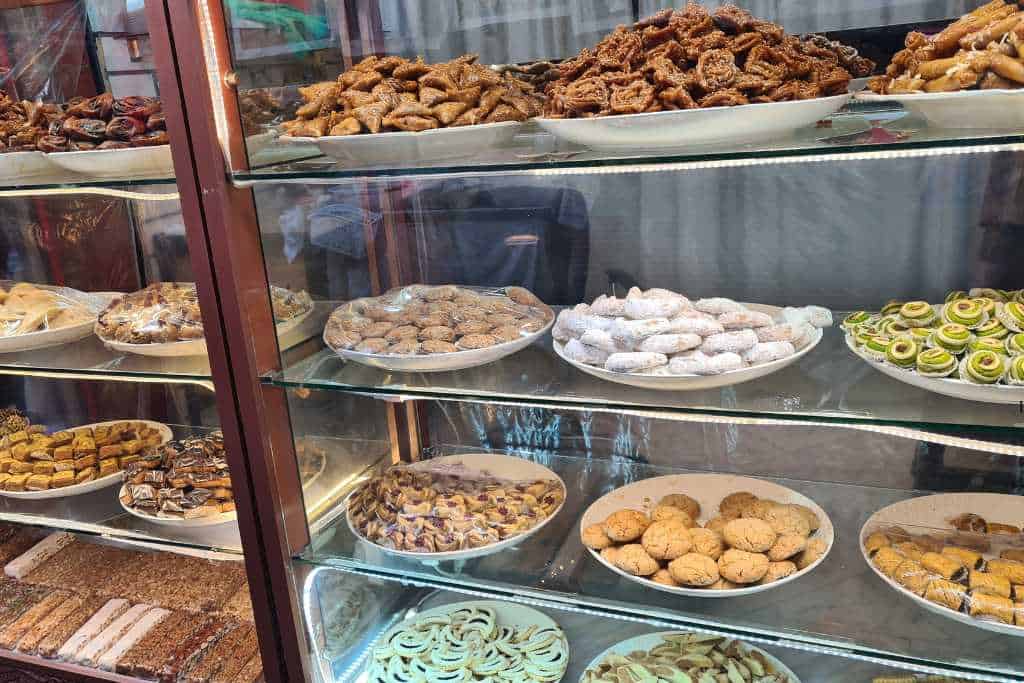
(162, 312)
(946, 593)
(990, 584)
(425, 511)
(443, 319)
(969, 559)
(1012, 570)
(949, 568)
(989, 606)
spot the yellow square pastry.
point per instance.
(20, 467)
(108, 467)
(17, 482)
(64, 466)
(43, 467)
(88, 474)
(62, 479)
(38, 482)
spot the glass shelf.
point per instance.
(588, 637)
(65, 182)
(866, 129)
(828, 384)
(90, 359)
(839, 607)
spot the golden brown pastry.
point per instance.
(969, 559)
(595, 537)
(814, 551)
(625, 525)
(749, 534)
(683, 502)
(912, 575)
(732, 504)
(1012, 570)
(946, 593)
(876, 541)
(778, 570)
(987, 605)
(663, 512)
(707, 542)
(786, 546)
(742, 567)
(990, 584)
(633, 559)
(693, 569)
(910, 549)
(667, 539)
(664, 577)
(946, 567)
(787, 519)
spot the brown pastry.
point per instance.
(633, 559)
(693, 569)
(757, 509)
(625, 525)
(947, 567)
(664, 512)
(786, 546)
(594, 537)
(947, 593)
(778, 571)
(912, 575)
(732, 504)
(707, 542)
(990, 584)
(968, 559)
(988, 605)
(815, 550)
(683, 502)
(750, 535)
(742, 567)
(664, 577)
(786, 519)
(667, 539)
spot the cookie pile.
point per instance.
(160, 313)
(661, 332)
(688, 657)
(426, 320)
(470, 644)
(975, 336)
(750, 541)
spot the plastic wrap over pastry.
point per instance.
(443, 510)
(27, 308)
(428, 320)
(162, 312)
(288, 305)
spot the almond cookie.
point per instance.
(356, 323)
(522, 296)
(786, 546)
(402, 332)
(751, 535)
(343, 339)
(437, 333)
(501, 319)
(472, 327)
(785, 519)
(778, 570)
(717, 524)
(380, 313)
(476, 341)
(815, 549)
(467, 313)
(666, 540)
(595, 537)
(693, 569)
(707, 542)
(442, 307)
(732, 505)
(432, 320)
(405, 347)
(377, 345)
(633, 559)
(507, 333)
(662, 512)
(740, 566)
(757, 509)
(625, 525)
(683, 502)
(442, 293)
(378, 329)
(664, 577)
(435, 346)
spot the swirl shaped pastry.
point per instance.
(983, 367)
(952, 337)
(1011, 315)
(936, 362)
(920, 334)
(967, 312)
(877, 346)
(997, 295)
(892, 307)
(987, 305)
(892, 326)
(1014, 344)
(985, 344)
(1015, 371)
(865, 332)
(854, 319)
(993, 328)
(955, 295)
(917, 314)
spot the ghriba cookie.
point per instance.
(664, 577)
(633, 559)
(595, 537)
(625, 525)
(732, 505)
(717, 524)
(707, 542)
(666, 540)
(693, 569)
(751, 535)
(785, 519)
(815, 549)
(757, 509)
(786, 546)
(663, 512)
(683, 502)
(778, 570)
(740, 566)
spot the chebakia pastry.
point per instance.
(25, 308)
(980, 50)
(424, 511)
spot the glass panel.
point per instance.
(752, 234)
(341, 653)
(277, 51)
(841, 604)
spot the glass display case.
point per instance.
(683, 343)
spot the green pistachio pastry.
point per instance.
(892, 326)
(917, 314)
(877, 346)
(956, 295)
(921, 334)
(952, 337)
(1014, 344)
(1011, 315)
(902, 352)
(967, 312)
(854, 319)
(986, 344)
(983, 367)
(936, 363)
(892, 307)
(992, 328)
(1015, 373)
(990, 293)
(987, 305)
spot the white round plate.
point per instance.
(404, 146)
(212, 520)
(508, 614)
(696, 382)
(95, 484)
(933, 512)
(691, 127)
(134, 161)
(17, 165)
(61, 335)
(444, 362)
(708, 490)
(972, 109)
(957, 388)
(649, 641)
(491, 465)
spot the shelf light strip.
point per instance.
(104, 191)
(782, 642)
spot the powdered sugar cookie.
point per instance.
(703, 326)
(644, 309)
(745, 319)
(670, 343)
(717, 305)
(766, 352)
(632, 362)
(735, 342)
(783, 332)
(632, 332)
(609, 306)
(575, 350)
(601, 339)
